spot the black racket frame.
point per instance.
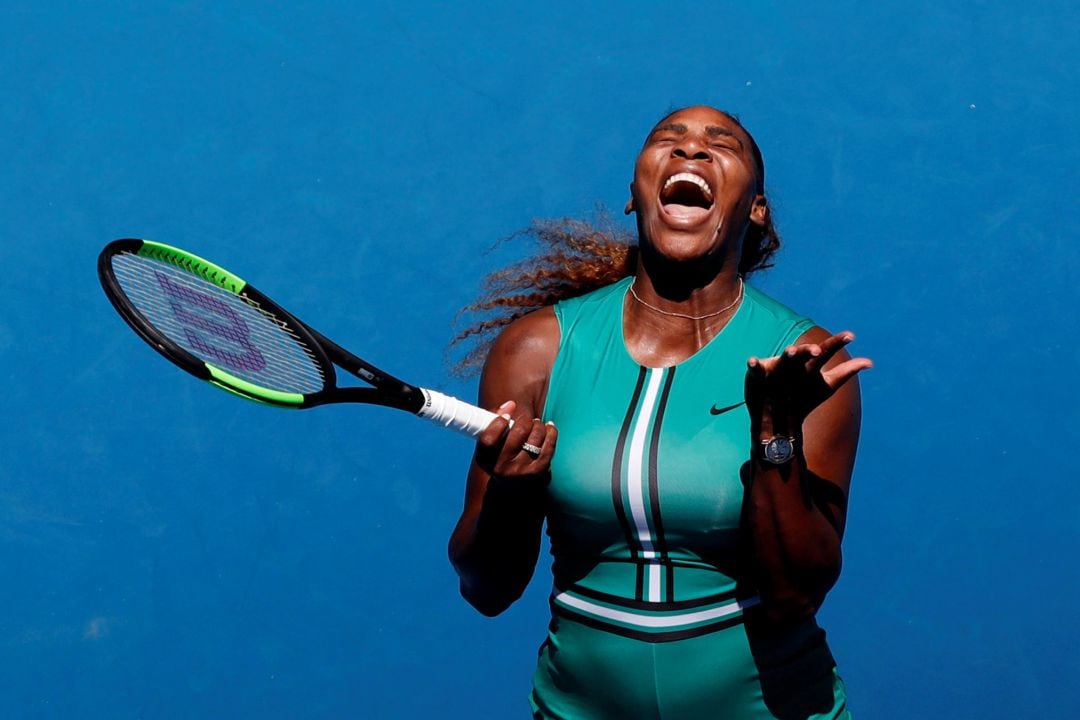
(386, 389)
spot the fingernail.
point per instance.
(505, 416)
(550, 423)
(505, 405)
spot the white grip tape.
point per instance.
(454, 414)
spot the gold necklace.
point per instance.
(722, 310)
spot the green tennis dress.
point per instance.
(644, 508)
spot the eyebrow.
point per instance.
(670, 127)
(710, 130)
(714, 130)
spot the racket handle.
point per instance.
(454, 414)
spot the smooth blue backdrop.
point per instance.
(169, 552)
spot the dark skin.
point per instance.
(794, 514)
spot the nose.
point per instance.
(690, 149)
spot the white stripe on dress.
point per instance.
(635, 477)
(655, 621)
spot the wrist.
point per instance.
(778, 449)
(524, 489)
(764, 436)
(768, 427)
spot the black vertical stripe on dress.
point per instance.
(616, 469)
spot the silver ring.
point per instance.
(531, 449)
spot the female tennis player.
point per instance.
(689, 441)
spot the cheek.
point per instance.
(740, 185)
(644, 188)
(734, 170)
(641, 178)
(648, 162)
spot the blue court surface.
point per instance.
(167, 551)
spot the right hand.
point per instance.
(500, 451)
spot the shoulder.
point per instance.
(535, 335)
(570, 308)
(520, 360)
(836, 420)
(848, 394)
(771, 307)
(774, 324)
(815, 335)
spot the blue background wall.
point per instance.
(167, 551)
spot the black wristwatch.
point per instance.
(778, 449)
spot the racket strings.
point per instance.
(232, 332)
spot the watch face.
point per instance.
(779, 450)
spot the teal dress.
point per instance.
(643, 515)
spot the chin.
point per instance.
(682, 247)
(681, 264)
(680, 255)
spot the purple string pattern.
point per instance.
(184, 300)
(218, 326)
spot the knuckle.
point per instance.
(517, 432)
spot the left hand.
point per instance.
(500, 449)
(782, 390)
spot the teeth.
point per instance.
(690, 177)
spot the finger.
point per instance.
(551, 438)
(829, 347)
(761, 366)
(517, 435)
(533, 444)
(493, 433)
(524, 447)
(798, 354)
(837, 376)
(796, 359)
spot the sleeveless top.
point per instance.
(645, 496)
(644, 509)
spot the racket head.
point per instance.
(214, 325)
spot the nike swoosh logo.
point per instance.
(720, 411)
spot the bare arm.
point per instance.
(496, 543)
(795, 513)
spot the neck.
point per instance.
(675, 280)
(665, 323)
(698, 287)
(688, 316)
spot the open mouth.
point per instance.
(686, 194)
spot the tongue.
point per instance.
(684, 210)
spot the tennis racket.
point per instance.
(220, 329)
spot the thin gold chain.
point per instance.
(691, 317)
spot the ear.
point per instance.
(759, 211)
(629, 203)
